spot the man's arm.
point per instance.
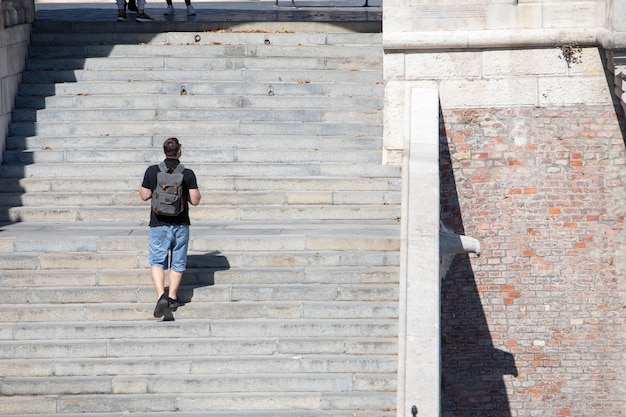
(145, 193)
(194, 196)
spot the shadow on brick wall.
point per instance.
(472, 368)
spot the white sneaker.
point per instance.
(191, 11)
(169, 10)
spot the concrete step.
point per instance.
(192, 365)
(196, 310)
(209, 170)
(129, 88)
(215, 38)
(260, 197)
(118, 260)
(213, 59)
(284, 156)
(154, 127)
(190, 347)
(175, 384)
(214, 293)
(297, 185)
(227, 404)
(42, 106)
(262, 329)
(196, 143)
(313, 212)
(234, 75)
(221, 273)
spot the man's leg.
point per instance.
(174, 279)
(158, 279)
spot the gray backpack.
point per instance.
(168, 198)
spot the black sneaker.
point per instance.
(132, 5)
(121, 16)
(143, 18)
(161, 306)
(173, 304)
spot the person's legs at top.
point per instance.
(169, 10)
(141, 15)
(121, 10)
(190, 10)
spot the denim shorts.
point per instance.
(165, 239)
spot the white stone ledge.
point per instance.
(478, 39)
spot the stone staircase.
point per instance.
(291, 286)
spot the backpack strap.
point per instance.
(178, 168)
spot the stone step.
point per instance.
(296, 186)
(117, 260)
(250, 237)
(190, 347)
(153, 127)
(263, 329)
(215, 38)
(103, 155)
(129, 88)
(196, 143)
(236, 75)
(208, 170)
(313, 212)
(221, 273)
(140, 297)
(102, 309)
(212, 59)
(261, 197)
(177, 384)
(228, 404)
(195, 110)
(238, 104)
(192, 365)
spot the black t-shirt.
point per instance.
(189, 183)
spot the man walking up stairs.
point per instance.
(291, 282)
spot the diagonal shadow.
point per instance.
(200, 273)
(472, 368)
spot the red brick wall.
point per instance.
(536, 325)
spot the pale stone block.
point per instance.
(394, 129)
(124, 385)
(589, 91)
(588, 63)
(489, 93)
(393, 66)
(464, 16)
(523, 62)
(6, 245)
(573, 14)
(508, 16)
(434, 65)
(397, 18)
(618, 13)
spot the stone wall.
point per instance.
(14, 39)
(533, 166)
(535, 326)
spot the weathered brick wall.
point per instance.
(536, 325)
